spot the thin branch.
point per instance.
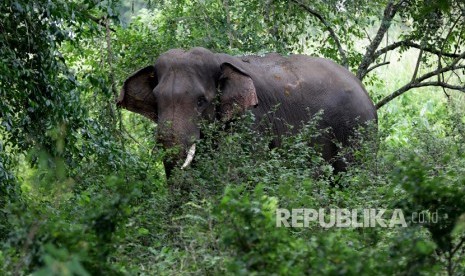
(450, 269)
(462, 241)
(450, 265)
(331, 31)
(377, 65)
(368, 35)
(415, 72)
(418, 82)
(439, 84)
(228, 21)
(451, 29)
(100, 21)
(412, 45)
(110, 58)
(441, 76)
(410, 85)
(113, 86)
(387, 43)
(445, 93)
(457, 75)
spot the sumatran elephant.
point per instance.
(185, 87)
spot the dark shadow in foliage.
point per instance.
(442, 199)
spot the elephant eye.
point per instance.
(201, 101)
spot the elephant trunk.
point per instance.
(181, 141)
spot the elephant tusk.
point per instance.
(190, 157)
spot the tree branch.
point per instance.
(417, 66)
(418, 82)
(228, 21)
(440, 84)
(377, 65)
(110, 58)
(100, 21)
(114, 91)
(369, 57)
(368, 35)
(332, 33)
(462, 242)
(412, 45)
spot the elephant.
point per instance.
(184, 87)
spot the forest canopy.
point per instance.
(82, 185)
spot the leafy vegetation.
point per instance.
(82, 186)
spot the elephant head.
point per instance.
(184, 87)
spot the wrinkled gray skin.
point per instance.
(180, 89)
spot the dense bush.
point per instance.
(225, 216)
(82, 186)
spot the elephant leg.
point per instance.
(339, 165)
(331, 153)
(169, 166)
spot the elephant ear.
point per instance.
(137, 93)
(237, 91)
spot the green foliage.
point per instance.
(82, 190)
(248, 231)
(448, 201)
(71, 230)
(30, 40)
